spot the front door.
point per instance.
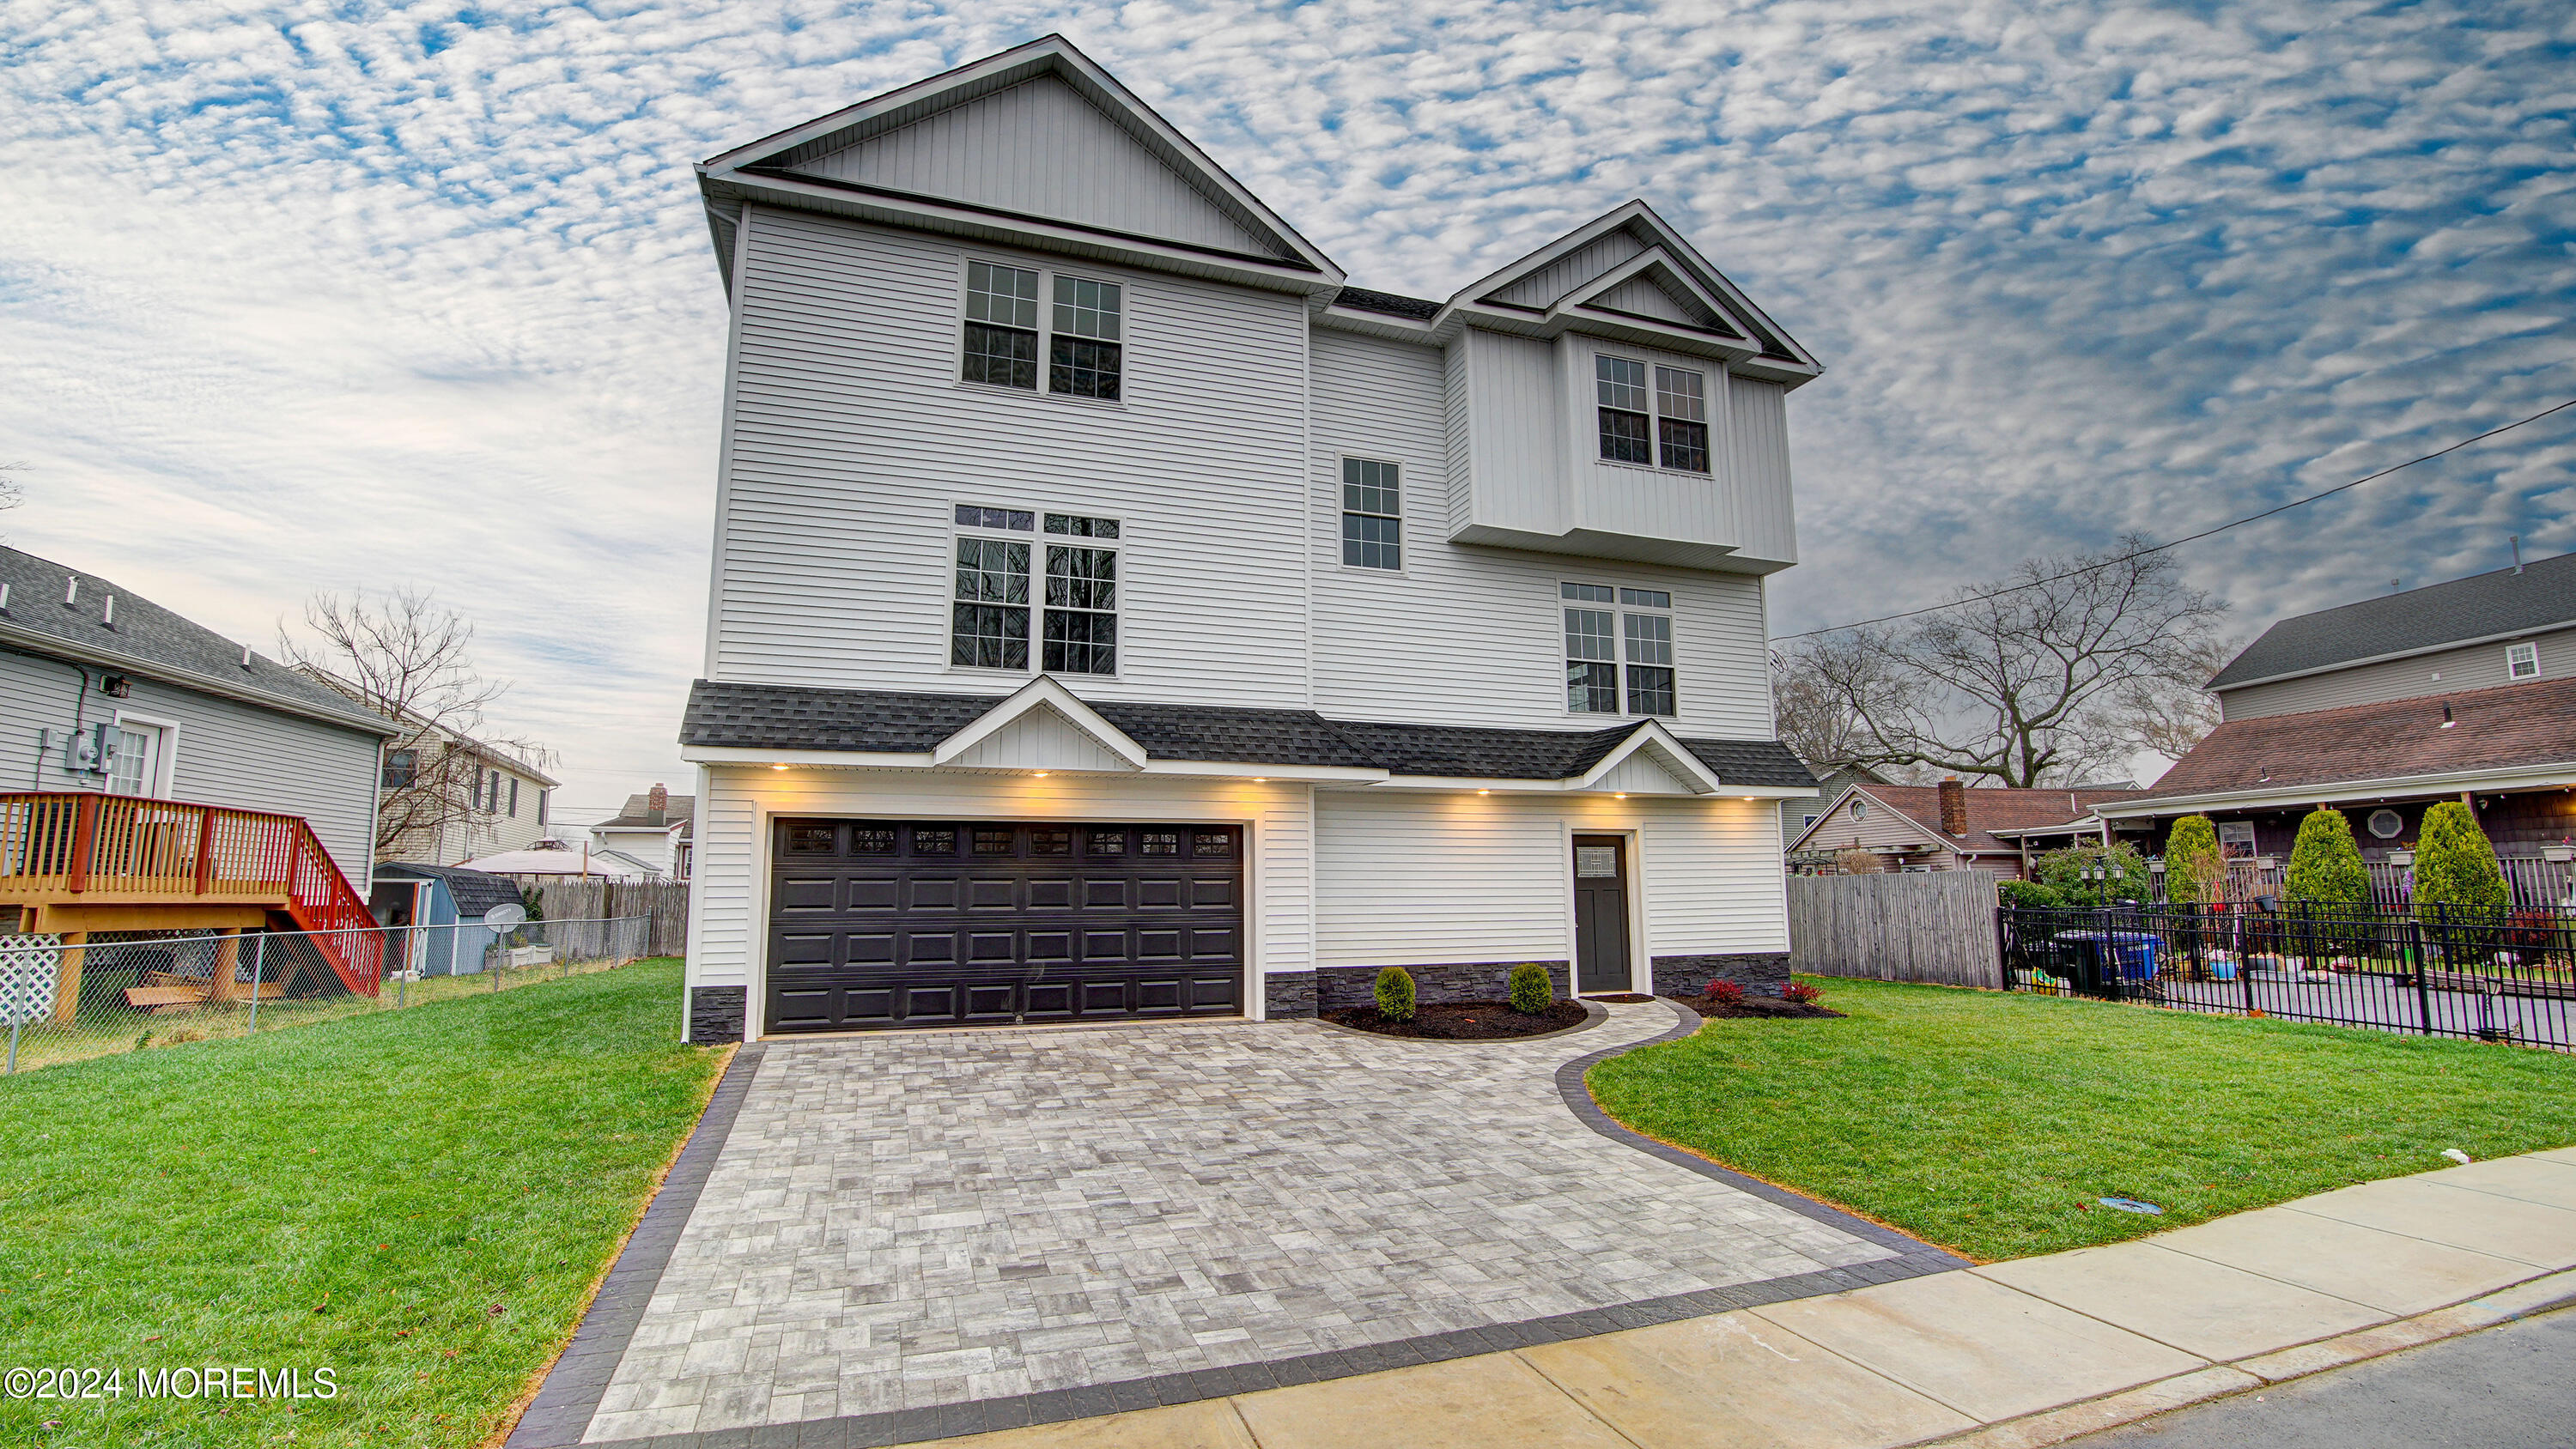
(1600, 913)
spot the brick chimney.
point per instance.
(657, 806)
(1954, 806)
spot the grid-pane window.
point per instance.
(1681, 405)
(2522, 661)
(970, 516)
(1084, 357)
(1081, 610)
(989, 626)
(1372, 515)
(1591, 662)
(1075, 526)
(1621, 382)
(1650, 663)
(1001, 326)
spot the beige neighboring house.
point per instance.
(653, 830)
(1950, 827)
(505, 808)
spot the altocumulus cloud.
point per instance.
(342, 295)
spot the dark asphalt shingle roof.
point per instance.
(789, 717)
(2482, 606)
(160, 643)
(1360, 299)
(474, 891)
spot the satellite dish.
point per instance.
(505, 918)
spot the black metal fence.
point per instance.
(2506, 975)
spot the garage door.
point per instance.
(884, 923)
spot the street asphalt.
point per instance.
(2508, 1387)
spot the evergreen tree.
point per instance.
(2454, 864)
(2193, 870)
(2325, 864)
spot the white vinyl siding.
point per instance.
(1392, 650)
(1406, 878)
(850, 444)
(730, 882)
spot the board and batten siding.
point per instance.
(1466, 635)
(2475, 666)
(225, 752)
(730, 887)
(850, 440)
(1418, 878)
(1040, 149)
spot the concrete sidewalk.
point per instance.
(2011, 1356)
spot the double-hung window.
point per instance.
(989, 614)
(1609, 631)
(1081, 595)
(1667, 425)
(1081, 333)
(1372, 515)
(2522, 661)
(1626, 435)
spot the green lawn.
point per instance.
(418, 1200)
(1991, 1123)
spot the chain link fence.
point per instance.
(120, 991)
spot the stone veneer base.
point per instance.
(1761, 972)
(716, 1014)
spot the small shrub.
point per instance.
(2325, 864)
(1799, 993)
(2086, 876)
(2194, 872)
(2454, 863)
(1531, 991)
(1726, 993)
(1395, 994)
(2028, 895)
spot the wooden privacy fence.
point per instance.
(576, 898)
(1938, 926)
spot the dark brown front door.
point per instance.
(1600, 913)
(894, 923)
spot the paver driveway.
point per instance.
(905, 1221)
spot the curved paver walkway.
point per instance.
(941, 1231)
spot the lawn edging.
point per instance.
(569, 1388)
(1915, 1254)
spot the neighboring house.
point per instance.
(156, 772)
(2456, 691)
(652, 831)
(557, 857)
(448, 797)
(1831, 780)
(1115, 615)
(1950, 827)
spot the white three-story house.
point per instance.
(1117, 616)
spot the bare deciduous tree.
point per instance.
(2049, 676)
(2169, 714)
(411, 661)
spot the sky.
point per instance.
(356, 295)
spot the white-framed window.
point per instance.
(2522, 661)
(1372, 514)
(1665, 425)
(1020, 322)
(1618, 649)
(1081, 633)
(989, 598)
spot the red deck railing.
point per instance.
(83, 843)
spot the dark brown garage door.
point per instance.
(885, 923)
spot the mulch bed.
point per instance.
(1625, 998)
(1751, 1006)
(1462, 1021)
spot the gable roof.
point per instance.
(1092, 168)
(790, 717)
(639, 809)
(154, 643)
(2017, 811)
(2501, 727)
(473, 891)
(2494, 605)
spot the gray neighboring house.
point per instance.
(182, 713)
(653, 831)
(1797, 815)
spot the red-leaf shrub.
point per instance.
(1726, 993)
(1799, 993)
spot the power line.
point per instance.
(2189, 538)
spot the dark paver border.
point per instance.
(569, 1397)
(1914, 1259)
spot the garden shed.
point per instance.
(443, 906)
